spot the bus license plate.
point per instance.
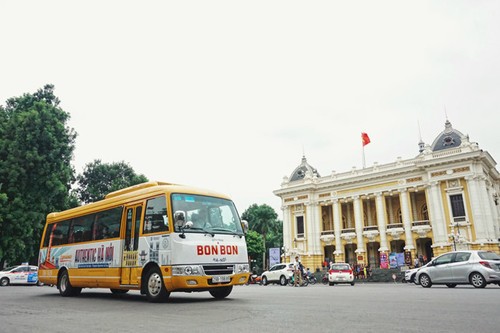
(221, 278)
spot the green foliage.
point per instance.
(36, 148)
(99, 179)
(255, 244)
(264, 220)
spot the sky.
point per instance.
(229, 95)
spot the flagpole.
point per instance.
(363, 155)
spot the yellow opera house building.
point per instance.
(444, 199)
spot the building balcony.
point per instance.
(370, 232)
(395, 230)
(421, 228)
(348, 234)
(327, 236)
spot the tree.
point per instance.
(262, 219)
(36, 149)
(255, 247)
(99, 179)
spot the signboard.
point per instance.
(274, 256)
(384, 261)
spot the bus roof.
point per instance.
(130, 194)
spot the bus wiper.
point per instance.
(229, 231)
(204, 230)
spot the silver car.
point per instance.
(478, 268)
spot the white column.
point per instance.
(287, 236)
(337, 219)
(438, 222)
(314, 235)
(494, 213)
(379, 205)
(481, 211)
(487, 200)
(358, 221)
(405, 215)
(477, 214)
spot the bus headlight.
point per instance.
(187, 270)
(242, 268)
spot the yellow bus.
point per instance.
(153, 237)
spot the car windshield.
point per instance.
(208, 214)
(488, 255)
(340, 267)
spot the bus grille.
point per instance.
(219, 269)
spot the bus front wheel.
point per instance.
(155, 288)
(65, 287)
(221, 292)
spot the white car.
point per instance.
(478, 268)
(340, 273)
(410, 274)
(279, 273)
(21, 274)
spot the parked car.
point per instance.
(340, 273)
(478, 268)
(279, 273)
(20, 274)
(410, 274)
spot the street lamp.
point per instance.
(453, 237)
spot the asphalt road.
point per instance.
(369, 307)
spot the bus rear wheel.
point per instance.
(65, 287)
(221, 292)
(155, 289)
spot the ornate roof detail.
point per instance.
(303, 170)
(449, 138)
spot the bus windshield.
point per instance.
(207, 214)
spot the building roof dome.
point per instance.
(449, 138)
(303, 170)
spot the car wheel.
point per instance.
(283, 280)
(352, 283)
(264, 280)
(425, 281)
(477, 280)
(451, 285)
(4, 282)
(331, 283)
(221, 292)
(155, 288)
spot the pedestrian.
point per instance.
(296, 272)
(416, 262)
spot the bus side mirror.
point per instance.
(244, 225)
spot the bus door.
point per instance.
(130, 257)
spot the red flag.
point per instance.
(365, 139)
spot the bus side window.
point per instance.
(155, 217)
(57, 237)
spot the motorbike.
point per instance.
(305, 282)
(311, 279)
(254, 279)
(324, 278)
